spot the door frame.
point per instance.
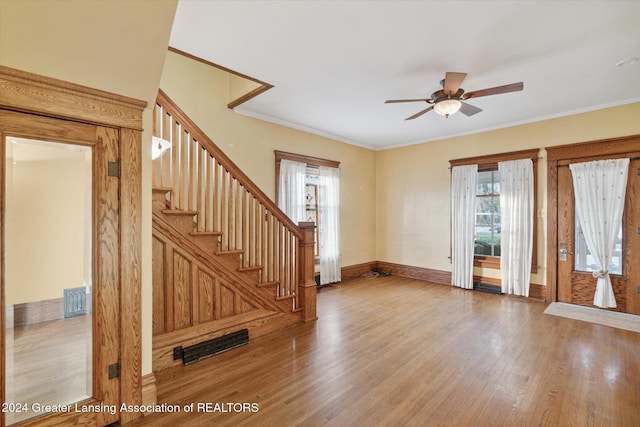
(586, 151)
(51, 98)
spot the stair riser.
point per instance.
(184, 224)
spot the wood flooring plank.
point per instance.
(394, 351)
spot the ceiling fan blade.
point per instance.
(469, 110)
(513, 87)
(415, 116)
(452, 82)
(392, 101)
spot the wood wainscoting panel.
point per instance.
(197, 297)
(182, 291)
(206, 297)
(159, 286)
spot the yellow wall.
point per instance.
(412, 183)
(45, 238)
(202, 92)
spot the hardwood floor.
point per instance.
(393, 351)
(48, 363)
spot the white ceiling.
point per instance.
(334, 63)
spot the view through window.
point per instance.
(487, 224)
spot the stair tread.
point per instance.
(231, 252)
(161, 189)
(179, 212)
(285, 297)
(206, 233)
(253, 268)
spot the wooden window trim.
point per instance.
(490, 162)
(310, 161)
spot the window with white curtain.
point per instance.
(317, 198)
(488, 215)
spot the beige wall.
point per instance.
(203, 92)
(412, 183)
(46, 207)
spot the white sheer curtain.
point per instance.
(329, 225)
(463, 211)
(600, 188)
(516, 214)
(291, 191)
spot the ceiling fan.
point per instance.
(450, 99)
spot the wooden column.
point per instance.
(307, 286)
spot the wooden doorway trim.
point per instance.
(558, 156)
(30, 93)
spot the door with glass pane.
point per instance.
(60, 285)
(576, 282)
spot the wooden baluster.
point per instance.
(251, 237)
(238, 214)
(278, 258)
(230, 198)
(261, 230)
(215, 184)
(244, 228)
(165, 161)
(224, 196)
(175, 167)
(193, 169)
(307, 285)
(156, 172)
(184, 171)
(208, 191)
(271, 249)
(201, 188)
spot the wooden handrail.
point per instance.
(206, 143)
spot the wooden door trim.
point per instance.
(55, 99)
(557, 156)
(31, 93)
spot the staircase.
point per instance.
(225, 257)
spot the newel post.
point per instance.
(307, 286)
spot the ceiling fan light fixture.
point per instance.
(446, 107)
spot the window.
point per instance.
(487, 222)
(312, 206)
(584, 261)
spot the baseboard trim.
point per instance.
(357, 270)
(536, 291)
(149, 391)
(38, 311)
(411, 272)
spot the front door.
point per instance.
(576, 283)
(60, 272)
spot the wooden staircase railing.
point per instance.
(226, 203)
